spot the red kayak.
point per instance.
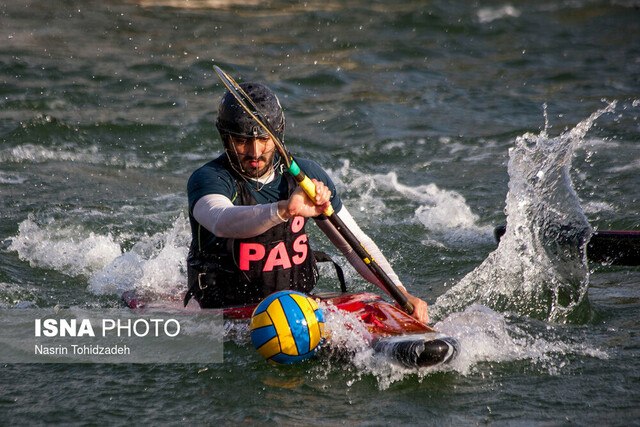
(391, 331)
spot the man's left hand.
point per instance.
(420, 309)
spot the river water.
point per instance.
(435, 119)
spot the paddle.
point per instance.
(309, 188)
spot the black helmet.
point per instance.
(234, 120)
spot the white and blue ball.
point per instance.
(287, 327)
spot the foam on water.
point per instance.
(539, 268)
(45, 138)
(445, 214)
(71, 250)
(36, 153)
(484, 336)
(155, 264)
(488, 336)
(489, 14)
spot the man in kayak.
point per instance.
(248, 218)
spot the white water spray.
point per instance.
(539, 269)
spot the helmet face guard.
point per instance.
(234, 120)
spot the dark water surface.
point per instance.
(107, 107)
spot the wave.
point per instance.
(44, 138)
(37, 153)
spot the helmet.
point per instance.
(234, 120)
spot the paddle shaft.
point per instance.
(309, 188)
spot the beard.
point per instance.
(252, 167)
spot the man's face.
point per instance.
(254, 156)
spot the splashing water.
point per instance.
(488, 336)
(484, 336)
(539, 269)
(155, 265)
(51, 246)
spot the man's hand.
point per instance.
(299, 204)
(420, 310)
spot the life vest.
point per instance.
(247, 270)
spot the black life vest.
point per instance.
(248, 270)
